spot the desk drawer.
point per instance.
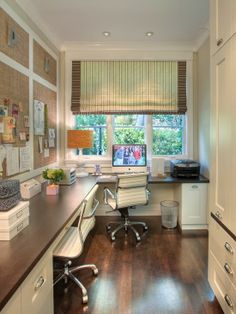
(224, 249)
(222, 287)
(37, 289)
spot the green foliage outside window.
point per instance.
(130, 129)
(97, 123)
(167, 134)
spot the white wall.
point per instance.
(203, 106)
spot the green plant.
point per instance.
(53, 175)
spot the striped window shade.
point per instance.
(113, 87)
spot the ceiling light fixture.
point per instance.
(149, 34)
(106, 34)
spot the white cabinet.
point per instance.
(192, 199)
(222, 266)
(14, 304)
(221, 137)
(37, 289)
(35, 295)
(223, 22)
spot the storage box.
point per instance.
(9, 233)
(9, 194)
(14, 215)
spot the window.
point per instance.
(98, 124)
(129, 129)
(168, 134)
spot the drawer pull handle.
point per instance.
(219, 42)
(229, 248)
(218, 215)
(228, 269)
(39, 283)
(228, 301)
(20, 226)
(194, 187)
(19, 214)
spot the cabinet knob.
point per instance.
(228, 269)
(228, 301)
(219, 42)
(229, 248)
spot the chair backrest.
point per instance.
(132, 190)
(87, 215)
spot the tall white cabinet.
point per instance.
(222, 203)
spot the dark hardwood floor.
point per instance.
(165, 273)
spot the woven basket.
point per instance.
(9, 194)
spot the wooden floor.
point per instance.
(165, 273)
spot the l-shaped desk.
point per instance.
(26, 260)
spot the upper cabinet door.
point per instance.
(222, 124)
(223, 23)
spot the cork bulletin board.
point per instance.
(14, 96)
(49, 98)
(19, 50)
(40, 57)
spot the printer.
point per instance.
(184, 168)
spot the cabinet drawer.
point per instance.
(37, 289)
(17, 49)
(224, 249)
(222, 287)
(44, 64)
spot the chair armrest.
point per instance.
(108, 193)
(94, 209)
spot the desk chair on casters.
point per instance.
(71, 246)
(131, 191)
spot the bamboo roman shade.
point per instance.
(113, 87)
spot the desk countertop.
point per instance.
(168, 179)
(48, 216)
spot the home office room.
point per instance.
(116, 156)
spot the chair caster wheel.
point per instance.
(108, 229)
(113, 239)
(95, 272)
(145, 228)
(85, 299)
(138, 239)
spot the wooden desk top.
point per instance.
(48, 216)
(168, 179)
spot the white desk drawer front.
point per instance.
(37, 289)
(224, 249)
(222, 287)
(17, 213)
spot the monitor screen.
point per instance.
(126, 155)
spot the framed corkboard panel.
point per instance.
(44, 64)
(49, 98)
(14, 86)
(19, 50)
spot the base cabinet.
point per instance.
(222, 266)
(35, 295)
(192, 198)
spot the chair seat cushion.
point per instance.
(71, 245)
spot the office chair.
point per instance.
(71, 246)
(131, 190)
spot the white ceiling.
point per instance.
(177, 22)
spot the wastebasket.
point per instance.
(169, 212)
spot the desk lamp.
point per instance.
(80, 139)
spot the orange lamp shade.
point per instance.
(79, 138)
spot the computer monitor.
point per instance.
(129, 158)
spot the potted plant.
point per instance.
(54, 176)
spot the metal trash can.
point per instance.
(169, 213)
